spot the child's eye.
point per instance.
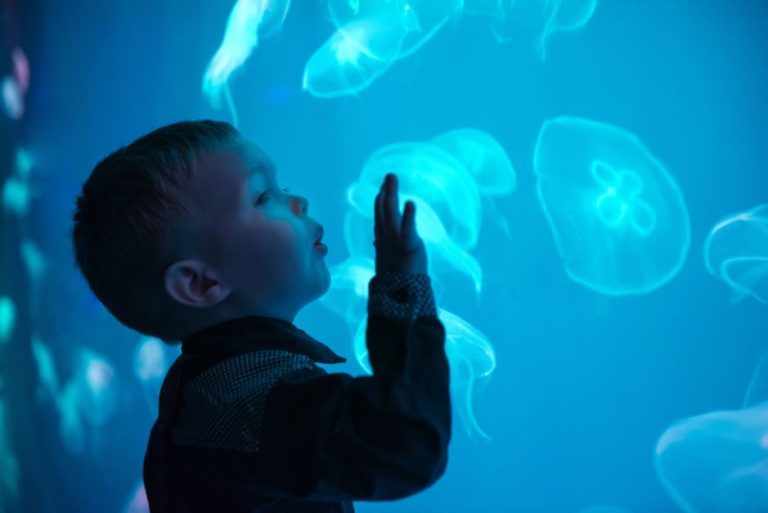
(261, 198)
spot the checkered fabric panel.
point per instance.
(401, 296)
(223, 408)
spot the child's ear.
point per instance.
(193, 283)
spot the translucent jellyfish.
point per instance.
(7, 318)
(717, 461)
(151, 361)
(736, 251)
(470, 357)
(544, 17)
(370, 35)
(486, 161)
(448, 208)
(9, 464)
(248, 21)
(88, 399)
(618, 217)
(349, 289)
(757, 391)
(48, 379)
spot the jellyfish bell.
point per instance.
(484, 158)
(618, 217)
(717, 461)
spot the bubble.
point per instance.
(248, 21)
(618, 217)
(736, 251)
(717, 461)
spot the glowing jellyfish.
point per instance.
(9, 464)
(88, 399)
(46, 369)
(370, 35)
(470, 356)
(736, 251)
(717, 461)
(151, 361)
(486, 161)
(7, 318)
(448, 209)
(248, 21)
(757, 391)
(619, 219)
(545, 17)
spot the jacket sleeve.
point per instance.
(375, 437)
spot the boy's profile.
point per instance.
(185, 235)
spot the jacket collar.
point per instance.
(256, 333)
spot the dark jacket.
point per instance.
(248, 422)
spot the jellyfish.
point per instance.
(757, 391)
(46, 369)
(619, 219)
(9, 464)
(545, 17)
(470, 357)
(448, 209)
(736, 251)
(370, 36)
(717, 461)
(87, 400)
(487, 162)
(151, 360)
(349, 289)
(248, 21)
(7, 318)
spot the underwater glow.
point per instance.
(48, 379)
(618, 217)
(370, 35)
(544, 17)
(7, 318)
(248, 21)
(736, 251)
(717, 461)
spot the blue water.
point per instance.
(586, 382)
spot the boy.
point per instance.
(185, 235)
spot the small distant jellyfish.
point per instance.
(248, 21)
(470, 356)
(151, 361)
(618, 217)
(736, 251)
(717, 461)
(7, 318)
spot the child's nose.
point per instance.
(300, 205)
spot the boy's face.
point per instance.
(260, 243)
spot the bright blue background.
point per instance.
(585, 383)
